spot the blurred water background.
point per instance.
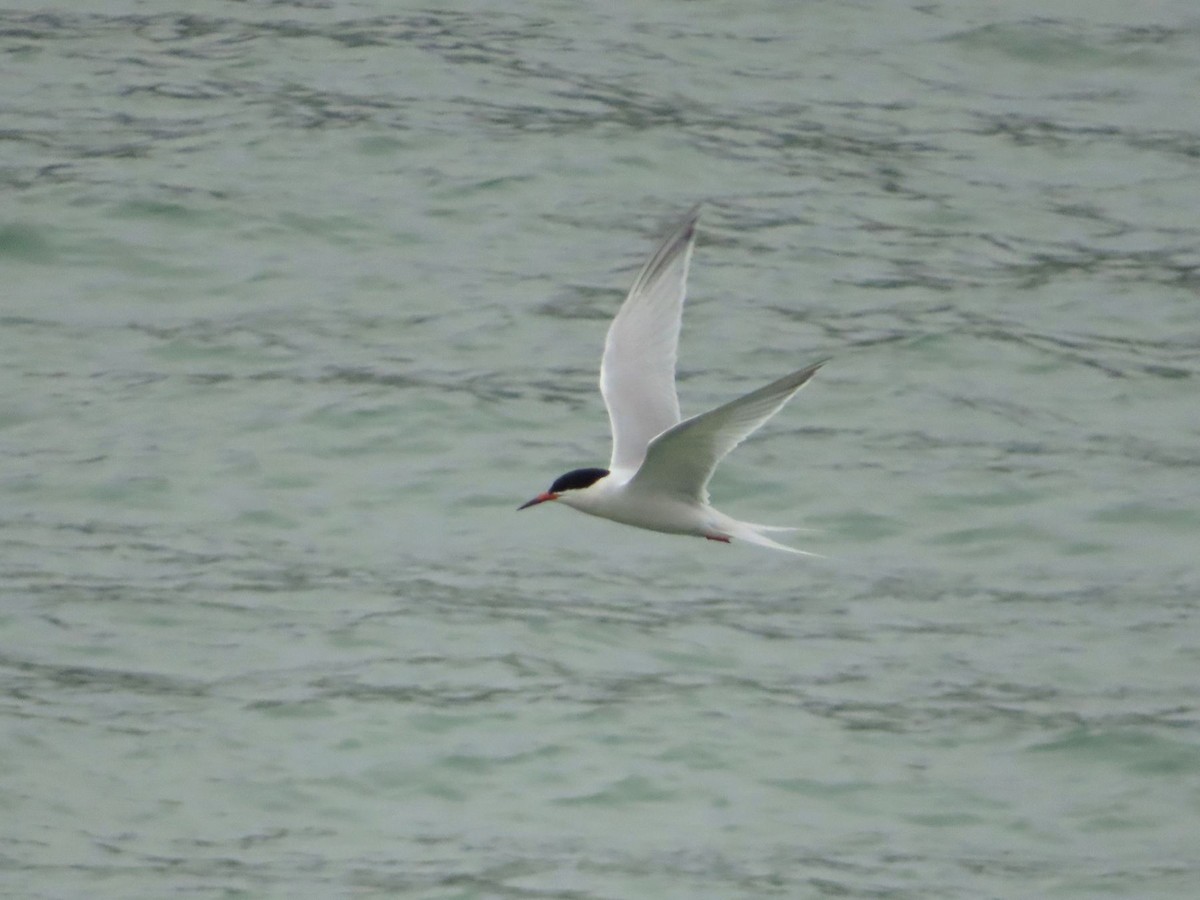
(299, 300)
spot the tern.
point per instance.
(661, 464)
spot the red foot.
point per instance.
(721, 538)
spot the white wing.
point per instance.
(680, 461)
(637, 373)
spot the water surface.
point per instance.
(302, 299)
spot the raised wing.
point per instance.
(680, 461)
(637, 373)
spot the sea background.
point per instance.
(298, 302)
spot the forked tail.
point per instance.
(754, 534)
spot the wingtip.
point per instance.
(810, 370)
(686, 226)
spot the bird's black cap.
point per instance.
(577, 479)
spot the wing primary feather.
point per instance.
(637, 372)
(682, 234)
(681, 460)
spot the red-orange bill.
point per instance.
(540, 498)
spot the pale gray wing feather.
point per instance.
(680, 462)
(637, 372)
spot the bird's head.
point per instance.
(575, 480)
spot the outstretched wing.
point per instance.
(679, 462)
(637, 373)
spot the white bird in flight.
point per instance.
(660, 468)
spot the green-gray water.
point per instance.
(301, 299)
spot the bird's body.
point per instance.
(612, 497)
(660, 468)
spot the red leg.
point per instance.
(718, 537)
